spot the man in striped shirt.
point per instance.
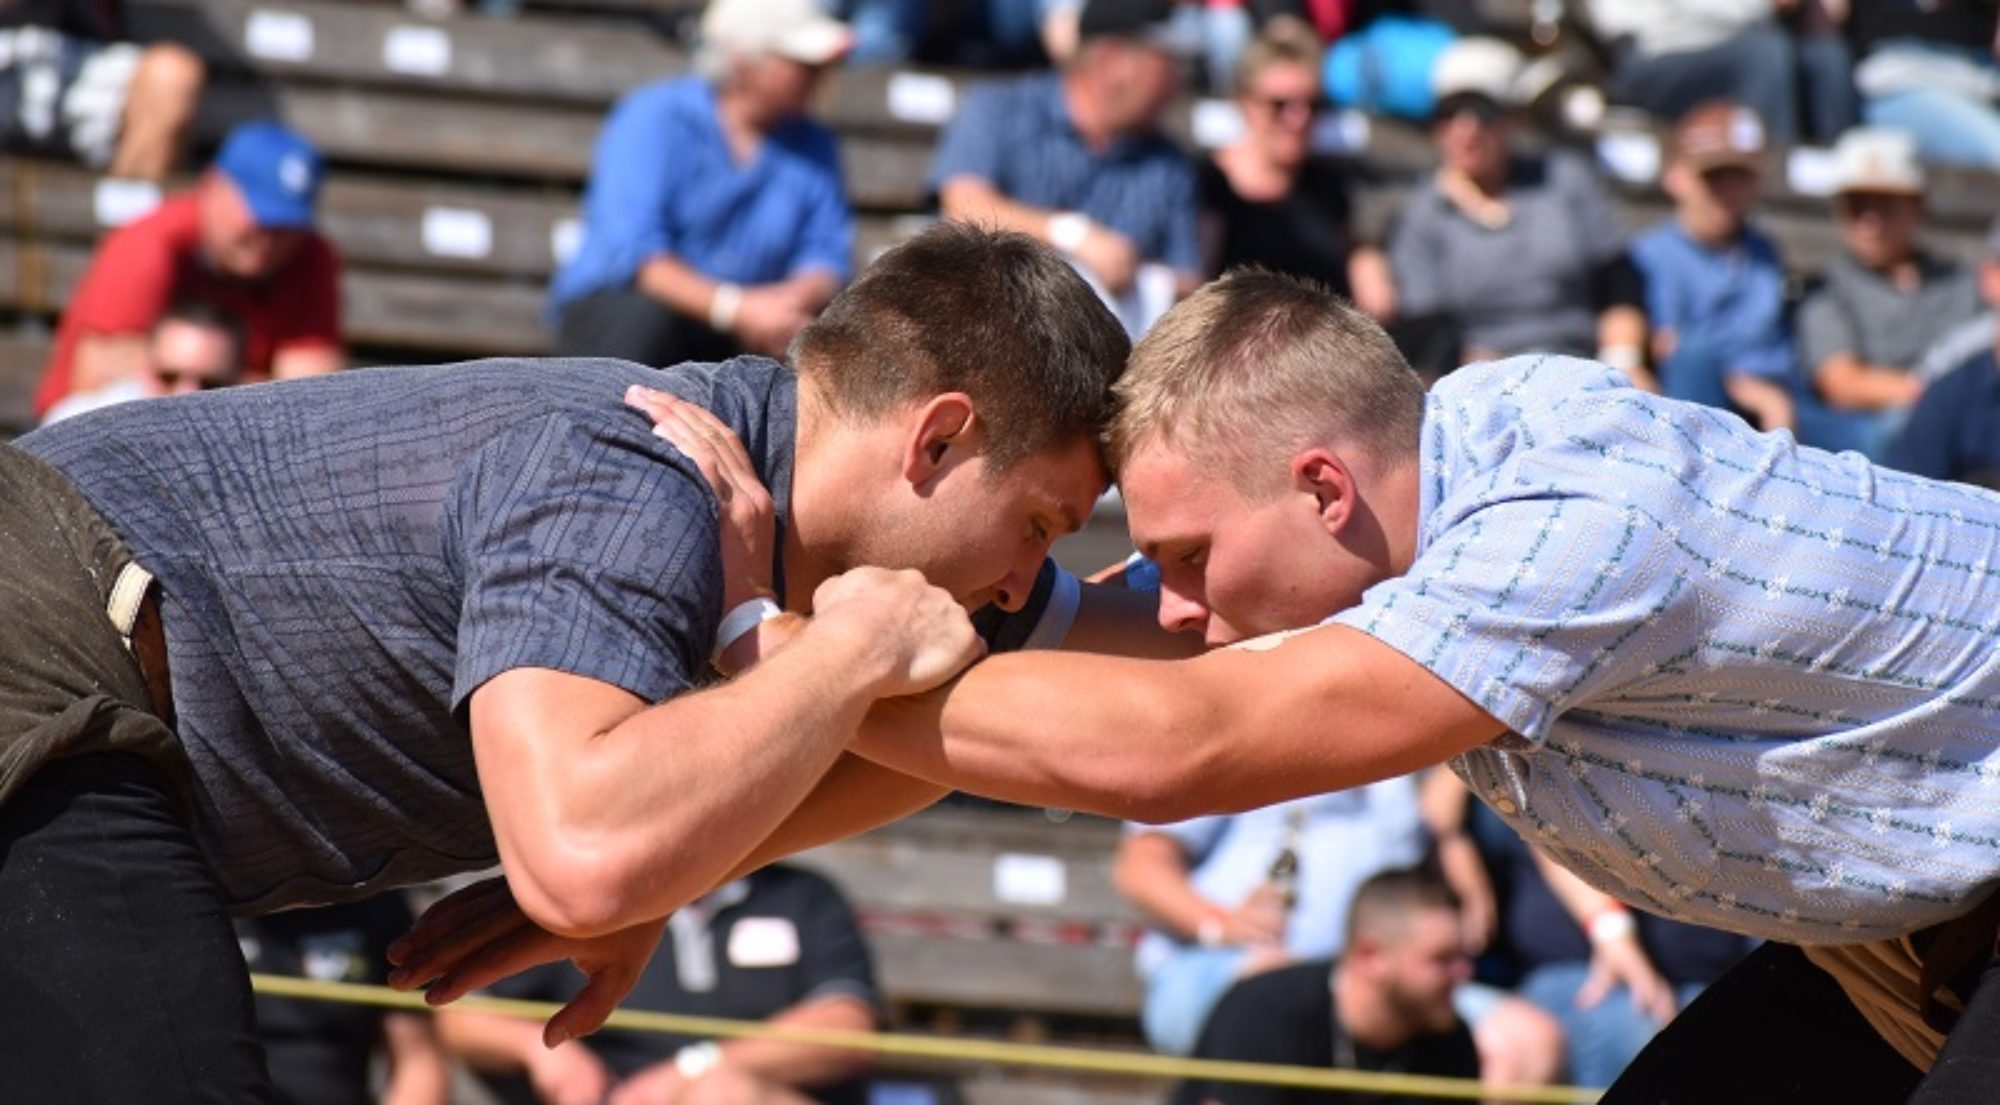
(1719, 676)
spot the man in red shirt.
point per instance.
(243, 240)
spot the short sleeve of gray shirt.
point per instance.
(584, 561)
(1825, 330)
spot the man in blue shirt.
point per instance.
(1715, 289)
(715, 222)
(1077, 159)
(296, 644)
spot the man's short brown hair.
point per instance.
(1257, 365)
(993, 314)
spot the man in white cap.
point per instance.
(1884, 302)
(715, 222)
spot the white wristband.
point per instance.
(740, 621)
(723, 307)
(1611, 924)
(695, 1060)
(1068, 231)
(1624, 358)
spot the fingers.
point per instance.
(1595, 985)
(507, 954)
(587, 1012)
(448, 915)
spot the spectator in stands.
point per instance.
(321, 1052)
(1671, 55)
(1077, 158)
(1883, 302)
(1384, 1005)
(243, 240)
(1221, 914)
(779, 945)
(1928, 68)
(715, 222)
(1954, 432)
(1522, 254)
(1715, 288)
(1267, 199)
(72, 86)
(195, 347)
(1613, 977)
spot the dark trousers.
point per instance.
(633, 326)
(120, 977)
(1776, 1030)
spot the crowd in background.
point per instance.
(1392, 926)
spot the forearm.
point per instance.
(1168, 740)
(972, 200)
(1768, 404)
(1152, 874)
(611, 821)
(853, 797)
(490, 1041)
(1847, 383)
(673, 282)
(800, 1065)
(815, 288)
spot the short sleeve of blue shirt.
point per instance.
(1527, 605)
(586, 552)
(970, 144)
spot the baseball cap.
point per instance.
(1148, 21)
(277, 170)
(796, 29)
(1476, 66)
(1719, 134)
(1877, 159)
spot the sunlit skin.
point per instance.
(1236, 565)
(1120, 88)
(231, 241)
(771, 90)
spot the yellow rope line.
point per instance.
(959, 1050)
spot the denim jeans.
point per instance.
(1601, 1040)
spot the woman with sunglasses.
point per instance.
(1267, 199)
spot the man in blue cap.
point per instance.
(242, 240)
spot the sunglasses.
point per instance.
(1287, 105)
(1483, 111)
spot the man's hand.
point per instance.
(919, 633)
(1259, 919)
(478, 936)
(769, 317)
(750, 519)
(1111, 256)
(569, 1074)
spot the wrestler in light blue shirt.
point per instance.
(1750, 685)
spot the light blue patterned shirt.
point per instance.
(1750, 685)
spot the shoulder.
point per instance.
(171, 227)
(670, 102)
(811, 139)
(1288, 991)
(1569, 173)
(1658, 246)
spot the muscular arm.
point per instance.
(1167, 740)
(609, 813)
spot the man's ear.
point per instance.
(941, 433)
(1321, 473)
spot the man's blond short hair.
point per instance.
(1256, 366)
(1285, 40)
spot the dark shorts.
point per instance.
(69, 685)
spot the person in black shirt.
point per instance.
(319, 1052)
(780, 944)
(1384, 1005)
(1267, 199)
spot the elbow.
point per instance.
(576, 891)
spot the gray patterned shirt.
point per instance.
(1750, 685)
(344, 560)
